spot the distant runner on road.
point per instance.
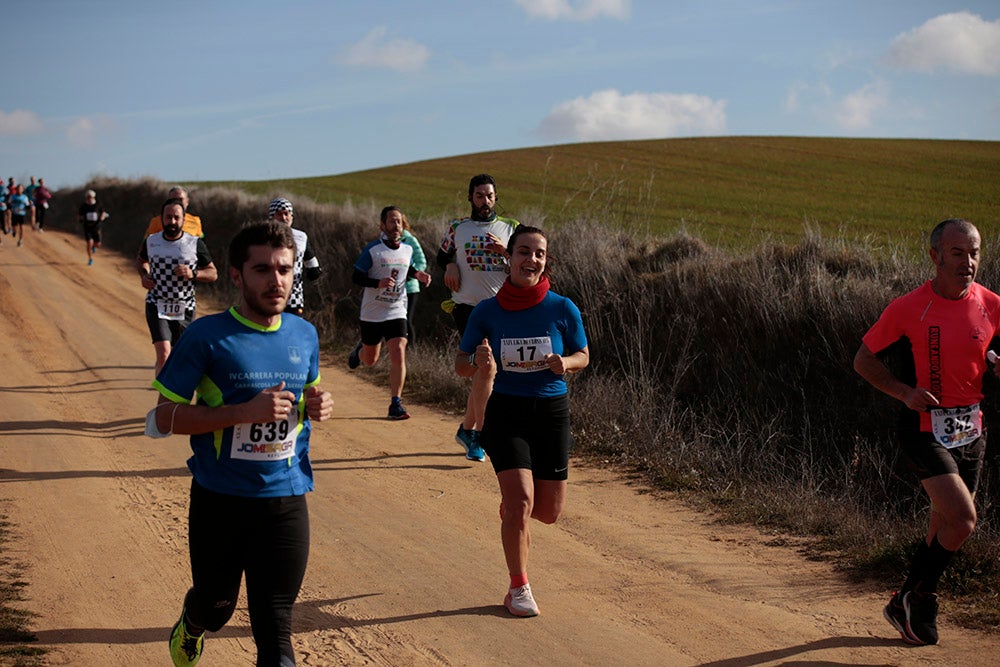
(256, 374)
(943, 329)
(91, 216)
(169, 263)
(20, 207)
(532, 338)
(42, 197)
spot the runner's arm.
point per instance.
(310, 265)
(271, 404)
(361, 278)
(871, 368)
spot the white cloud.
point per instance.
(20, 123)
(609, 115)
(402, 55)
(857, 109)
(84, 131)
(576, 10)
(961, 42)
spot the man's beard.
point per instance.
(477, 213)
(264, 308)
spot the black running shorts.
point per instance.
(373, 333)
(529, 433)
(170, 330)
(927, 458)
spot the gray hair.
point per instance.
(938, 231)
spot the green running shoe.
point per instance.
(185, 648)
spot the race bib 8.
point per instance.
(91, 216)
(170, 309)
(269, 441)
(524, 355)
(955, 427)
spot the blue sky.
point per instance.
(249, 90)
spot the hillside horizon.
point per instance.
(714, 187)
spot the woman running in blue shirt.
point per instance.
(533, 337)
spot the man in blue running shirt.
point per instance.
(256, 373)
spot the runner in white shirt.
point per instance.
(382, 269)
(474, 258)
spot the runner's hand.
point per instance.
(494, 245)
(484, 355)
(319, 404)
(556, 363)
(452, 279)
(919, 399)
(272, 404)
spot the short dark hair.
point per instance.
(173, 201)
(938, 231)
(270, 233)
(481, 179)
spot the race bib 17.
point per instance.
(524, 355)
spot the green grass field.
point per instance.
(729, 191)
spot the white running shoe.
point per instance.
(520, 602)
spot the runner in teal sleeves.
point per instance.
(256, 374)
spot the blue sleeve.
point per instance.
(475, 330)
(185, 367)
(314, 376)
(574, 338)
(364, 263)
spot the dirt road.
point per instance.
(406, 566)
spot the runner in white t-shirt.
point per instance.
(474, 258)
(382, 269)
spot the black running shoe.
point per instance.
(921, 616)
(397, 411)
(896, 615)
(354, 358)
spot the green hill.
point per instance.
(726, 190)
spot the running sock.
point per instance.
(191, 627)
(396, 400)
(929, 563)
(916, 568)
(518, 580)
(935, 563)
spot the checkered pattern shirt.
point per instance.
(164, 256)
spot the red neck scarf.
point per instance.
(511, 297)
